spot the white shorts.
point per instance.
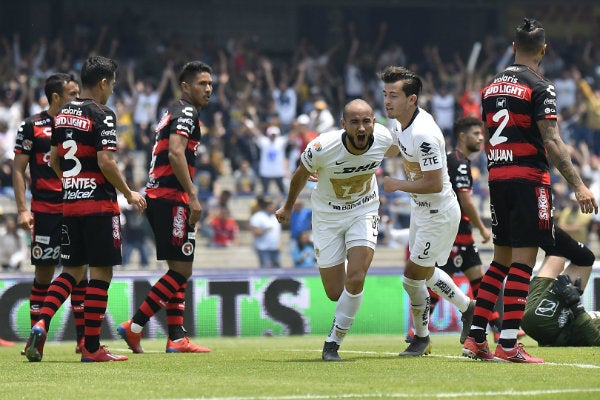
(332, 239)
(432, 234)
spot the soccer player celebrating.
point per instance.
(345, 204)
(435, 212)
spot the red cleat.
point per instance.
(477, 351)
(35, 344)
(6, 343)
(184, 346)
(131, 338)
(516, 355)
(100, 355)
(80, 345)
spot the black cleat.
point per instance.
(467, 320)
(420, 346)
(330, 351)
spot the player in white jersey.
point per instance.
(435, 212)
(345, 204)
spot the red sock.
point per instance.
(77, 302)
(57, 294)
(36, 300)
(96, 300)
(159, 296)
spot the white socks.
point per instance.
(345, 312)
(419, 304)
(442, 284)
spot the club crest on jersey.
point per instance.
(318, 146)
(187, 248)
(27, 144)
(36, 252)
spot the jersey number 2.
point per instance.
(497, 138)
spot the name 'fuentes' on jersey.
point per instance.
(347, 182)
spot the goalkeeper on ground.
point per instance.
(554, 315)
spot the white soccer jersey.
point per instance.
(423, 148)
(347, 184)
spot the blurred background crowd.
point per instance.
(272, 97)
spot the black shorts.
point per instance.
(45, 239)
(521, 214)
(174, 236)
(462, 257)
(93, 240)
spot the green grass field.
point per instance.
(280, 368)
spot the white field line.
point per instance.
(503, 394)
(584, 366)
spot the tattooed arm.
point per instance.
(560, 157)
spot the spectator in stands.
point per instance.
(273, 162)
(321, 118)
(136, 232)
(11, 245)
(285, 95)
(245, 179)
(592, 114)
(225, 229)
(146, 97)
(267, 233)
(300, 219)
(574, 222)
(303, 251)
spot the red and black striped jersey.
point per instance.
(33, 140)
(459, 169)
(81, 129)
(512, 103)
(181, 118)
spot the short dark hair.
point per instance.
(55, 84)
(96, 68)
(412, 82)
(464, 124)
(191, 68)
(530, 36)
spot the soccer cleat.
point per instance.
(80, 345)
(35, 348)
(131, 338)
(330, 352)
(516, 355)
(100, 355)
(420, 346)
(477, 351)
(6, 343)
(467, 320)
(410, 335)
(185, 346)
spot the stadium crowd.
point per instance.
(260, 98)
